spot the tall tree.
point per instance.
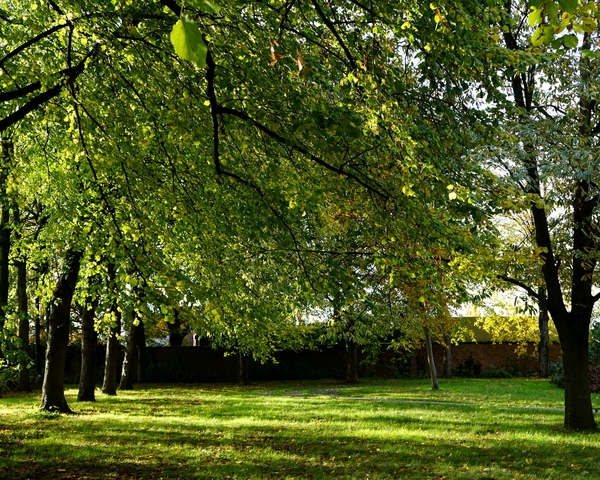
(59, 323)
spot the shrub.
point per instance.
(493, 372)
(9, 379)
(557, 373)
(469, 368)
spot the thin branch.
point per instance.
(43, 97)
(530, 291)
(32, 41)
(331, 27)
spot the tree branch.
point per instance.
(530, 291)
(331, 27)
(43, 97)
(31, 41)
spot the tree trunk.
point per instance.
(351, 362)
(141, 363)
(4, 259)
(544, 344)
(5, 230)
(578, 403)
(243, 370)
(431, 360)
(176, 333)
(109, 386)
(89, 344)
(39, 351)
(448, 356)
(24, 377)
(59, 322)
(130, 363)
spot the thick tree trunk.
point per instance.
(544, 344)
(89, 344)
(24, 377)
(59, 322)
(578, 404)
(431, 360)
(109, 386)
(351, 362)
(130, 363)
(243, 370)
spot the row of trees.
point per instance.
(248, 164)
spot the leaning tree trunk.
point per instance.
(24, 377)
(351, 362)
(89, 344)
(109, 386)
(130, 363)
(431, 360)
(59, 322)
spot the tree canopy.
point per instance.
(248, 162)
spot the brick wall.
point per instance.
(203, 364)
(483, 354)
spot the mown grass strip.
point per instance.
(206, 431)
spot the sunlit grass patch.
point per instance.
(227, 431)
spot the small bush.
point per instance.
(469, 368)
(9, 379)
(557, 373)
(493, 372)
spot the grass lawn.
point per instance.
(261, 432)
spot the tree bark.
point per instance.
(89, 344)
(4, 259)
(578, 404)
(39, 351)
(5, 230)
(351, 362)
(448, 356)
(544, 344)
(24, 377)
(130, 363)
(59, 322)
(109, 386)
(243, 370)
(431, 360)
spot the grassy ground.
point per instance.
(220, 431)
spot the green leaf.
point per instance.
(536, 3)
(542, 36)
(570, 41)
(568, 6)
(551, 11)
(188, 42)
(206, 6)
(534, 17)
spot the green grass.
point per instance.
(225, 431)
(523, 392)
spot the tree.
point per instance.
(509, 65)
(59, 321)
